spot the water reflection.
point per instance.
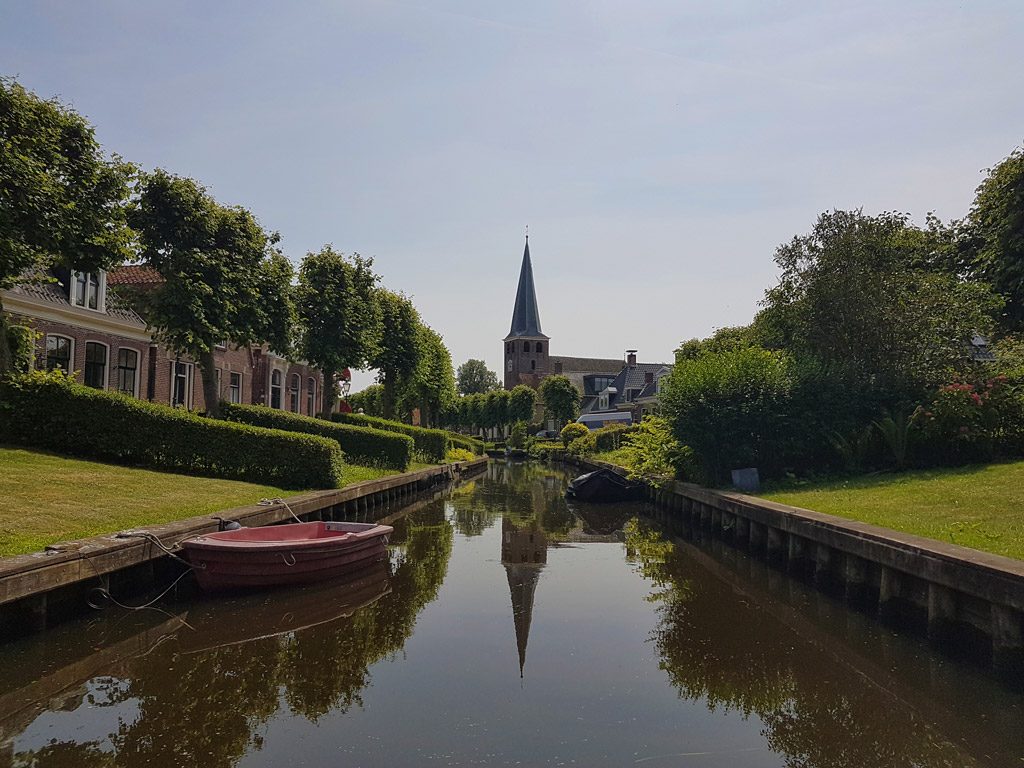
(205, 695)
(643, 648)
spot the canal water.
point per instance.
(509, 628)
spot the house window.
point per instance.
(127, 370)
(293, 394)
(181, 384)
(275, 389)
(604, 402)
(58, 353)
(631, 394)
(87, 290)
(235, 388)
(311, 397)
(540, 347)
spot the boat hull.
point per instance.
(603, 485)
(284, 554)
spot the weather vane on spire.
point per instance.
(527, 231)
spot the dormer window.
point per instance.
(604, 402)
(88, 290)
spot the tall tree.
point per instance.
(521, 401)
(398, 352)
(62, 203)
(474, 376)
(432, 386)
(561, 399)
(996, 221)
(860, 292)
(338, 317)
(223, 280)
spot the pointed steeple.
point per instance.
(526, 316)
(524, 551)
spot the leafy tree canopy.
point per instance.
(399, 350)
(474, 376)
(865, 292)
(431, 386)
(223, 280)
(561, 399)
(996, 222)
(338, 317)
(520, 403)
(61, 201)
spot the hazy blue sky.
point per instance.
(659, 151)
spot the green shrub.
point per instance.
(470, 444)
(517, 437)
(48, 410)
(430, 444)
(650, 449)
(458, 454)
(362, 445)
(610, 438)
(22, 340)
(584, 445)
(572, 431)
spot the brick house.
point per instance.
(85, 329)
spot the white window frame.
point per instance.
(101, 290)
(230, 387)
(106, 365)
(138, 369)
(270, 389)
(295, 391)
(189, 384)
(311, 396)
(71, 351)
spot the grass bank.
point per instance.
(47, 498)
(976, 506)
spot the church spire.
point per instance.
(525, 316)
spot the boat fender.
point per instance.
(227, 525)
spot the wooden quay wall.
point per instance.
(956, 595)
(39, 588)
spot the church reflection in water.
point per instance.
(524, 552)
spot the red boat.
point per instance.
(284, 554)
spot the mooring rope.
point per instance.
(268, 502)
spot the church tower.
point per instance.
(526, 348)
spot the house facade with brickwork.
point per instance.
(85, 328)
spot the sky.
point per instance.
(658, 151)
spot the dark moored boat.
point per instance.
(284, 554)
(604, 485)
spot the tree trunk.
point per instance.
(210, 393)
(388, 396)
(5, 343)
(328, 395)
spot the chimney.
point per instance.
(648, 377)
(631, 357)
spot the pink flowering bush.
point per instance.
(971, 422)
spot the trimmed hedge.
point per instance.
(50, 411)
(362, 445)
(470, 444)
(431, 444)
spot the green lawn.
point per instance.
(977, 506)
(48, 498)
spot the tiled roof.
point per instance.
(55, 293)
(586, 364)
(133, 274)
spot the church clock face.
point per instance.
(510, 365)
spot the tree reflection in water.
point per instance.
(817, 711)
(210, 707)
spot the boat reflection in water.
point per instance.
(248, 617)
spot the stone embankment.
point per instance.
(954, 594)
(40, 588)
